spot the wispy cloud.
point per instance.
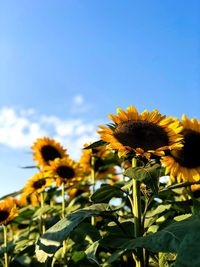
(79, 105)
(16, 129)
(19, 128)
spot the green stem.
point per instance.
(53, 262)
(137, 216)
(5, 246)
(63, 200)
(93, 183)
(93, 173)
(63, 216)
(42, 216)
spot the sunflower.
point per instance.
(184, 164)
(46, 149)
(25, 200)
(114, 179)
(64, 170)
(195, 188)
(104, 172)
(145, 134)
(85, 161)
(38, 183)
(8, 210)
(100, 154)
(75, 192)
(103, 163)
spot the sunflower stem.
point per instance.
(63, 215)
(139, 259)
(42, 216)
(5, 246)
(93, 183)
(63, 200)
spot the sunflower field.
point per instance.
(132, 199)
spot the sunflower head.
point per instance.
(104, 172)
(195, 188)
(8, 210)
(75, 192)
(100, 152)
(64, 170)
(184, 164)
(25, 200)
(144, 134)
(21, 200)
(46, 149)
(38, 183)
(99, 158)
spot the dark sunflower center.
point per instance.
(49, 153)
(39, 184)
(188, 156)
(141, 134)
(196, 193)
(65, 172)
(95, 151)
(3, 215)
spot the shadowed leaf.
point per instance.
(174, 238)
(105, 193)
(91, 252)
(50, 242)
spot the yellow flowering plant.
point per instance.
(132, 198)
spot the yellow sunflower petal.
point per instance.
(132, 128)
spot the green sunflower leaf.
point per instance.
(14, 194)
(167, 259)
(116, 255)
(96, 144)
(143, 173)
(91, 253)
(105, 193)
(135, 173)
(43, 210)
(78, 256)
(160, 209)
(188, 253)
(178, 237)
(51, 241)
(148, 174)
(29, 167)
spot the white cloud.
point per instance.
(78, 105)
(78, 100)
(20, 128)
(16, 130)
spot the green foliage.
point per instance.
(96, 226)
(148, 174)
(14, 194)
(188, 252)
(167, 259)
(49, 243)
(91, 253)
(179, 237)
(96, 144)
(106, 193)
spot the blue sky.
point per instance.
(64, 65)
